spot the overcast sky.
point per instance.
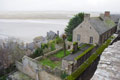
(67, 5)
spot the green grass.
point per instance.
(60, 54)
(53, 64)
(52, 46)
(86, 51)
(89, 61)
(48, 62)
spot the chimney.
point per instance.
(107, 14)
(86, 16)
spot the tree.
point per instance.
(43, 46)
(58, 40)
(73, 23)
(10, 51)
(64, 37)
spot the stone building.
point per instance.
(94, 30)
(52, 35)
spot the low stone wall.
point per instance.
(84, 58)
(69, 45)
(49, 53)
(29, 67)
(66, 66)
(37, 71)
(71, 66)
(53, 52)
(19, 66)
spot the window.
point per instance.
(91, 39)
(78, 37)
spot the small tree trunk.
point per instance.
(64, 48)
(64, 37)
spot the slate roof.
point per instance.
(101, 25)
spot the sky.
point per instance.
(66, 5)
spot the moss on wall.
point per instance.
(89, 61)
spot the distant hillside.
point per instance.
(41, 14)
(36, 15)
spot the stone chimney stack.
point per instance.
(86, 16)
(107, 14)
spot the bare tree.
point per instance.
(10, 51)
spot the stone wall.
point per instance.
(66, 66)
(53, 52)
(37, 71)
(49, 53)
(19, 66)
(89, 72)
(109, 64)
(84, 58)
(71, 66)
(29, 67)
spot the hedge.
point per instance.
(88, 62)
(75, 43)
(52, 46)
(86, 51)
(3, 78)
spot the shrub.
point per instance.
(79, 47)
(52, 46)
(38, 52)
(71, 50)
(74, 43)
(3, 78)
(58, 40)
(69, 38)
(64, 75)
(44, 46)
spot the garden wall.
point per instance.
(19, 66)
(49, 53)
(84, 58)
(36, 71)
